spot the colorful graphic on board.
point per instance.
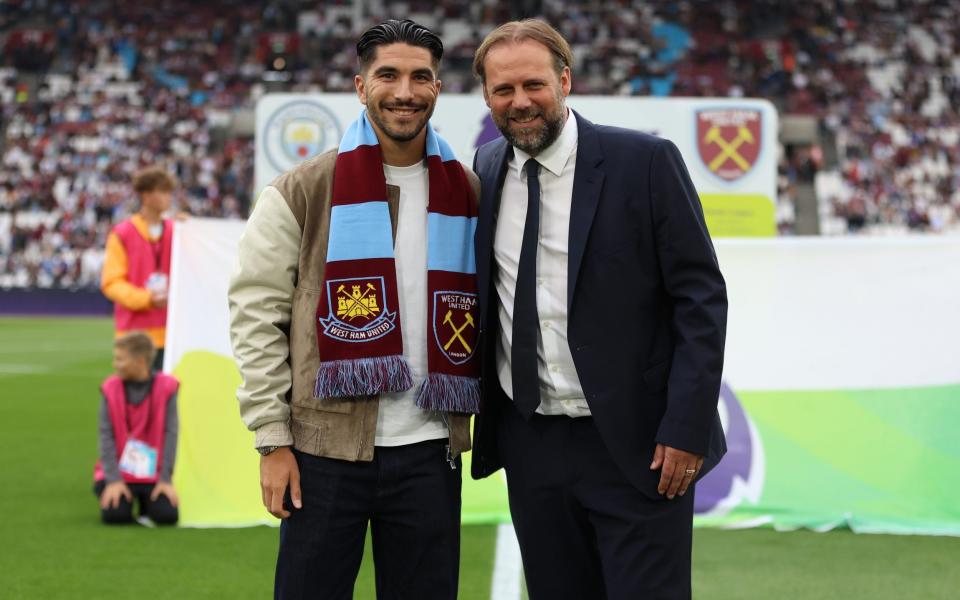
(297, 131)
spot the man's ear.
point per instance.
(566, 81)
(360, 84)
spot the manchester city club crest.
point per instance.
(358, 310)
(454, 325)
(297, 131)
(302, 138)
(729, 140)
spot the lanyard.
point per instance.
(156, 248)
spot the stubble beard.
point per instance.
(377, 116)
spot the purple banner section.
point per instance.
(54, 302)
(719, 484)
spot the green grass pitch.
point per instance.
(53, 546)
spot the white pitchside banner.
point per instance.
(729, 145)
(841, 374)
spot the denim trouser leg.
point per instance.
(411, 497)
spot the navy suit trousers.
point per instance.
(585, 531)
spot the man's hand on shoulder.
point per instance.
(279, 469)
(679, 469)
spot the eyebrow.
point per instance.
(525, 82)
(387, 69)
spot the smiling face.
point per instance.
(399, 89)
(526, 96)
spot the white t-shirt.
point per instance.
(399, 421)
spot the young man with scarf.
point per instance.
(354, 325)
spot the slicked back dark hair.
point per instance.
(396, 31)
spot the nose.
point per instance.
(521, 101)
(404, 90)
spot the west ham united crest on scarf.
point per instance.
(358, 325)
(455, 325)
(357, 310)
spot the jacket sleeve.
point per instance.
(692, 278)
(260, 298)
(107, 444)
(113, 281)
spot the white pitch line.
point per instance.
(8, 369)
(507, 567)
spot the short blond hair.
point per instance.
(518, 31)
(137, 343)
(154, 178)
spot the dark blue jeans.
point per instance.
(410, 495)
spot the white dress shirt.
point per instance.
(560, 390)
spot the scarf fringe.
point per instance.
(450, 393)
(363, 377)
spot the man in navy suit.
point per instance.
(603, 321)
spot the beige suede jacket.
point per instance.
(273, 300)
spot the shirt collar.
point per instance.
(555, 157)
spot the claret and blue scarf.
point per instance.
(358, 323)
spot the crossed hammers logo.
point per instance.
(458, 331)
(729, 150)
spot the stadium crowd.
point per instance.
(92, 90)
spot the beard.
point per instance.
(400, 132)
(532, 140)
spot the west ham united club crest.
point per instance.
(358, 310)
(454, 325)
(729, 140)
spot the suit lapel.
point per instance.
(587, 184)
(492, 173)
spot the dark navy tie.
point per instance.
(526, 323)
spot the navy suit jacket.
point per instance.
(647, 304)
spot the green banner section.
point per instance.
(739, 215)
(874, 460)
